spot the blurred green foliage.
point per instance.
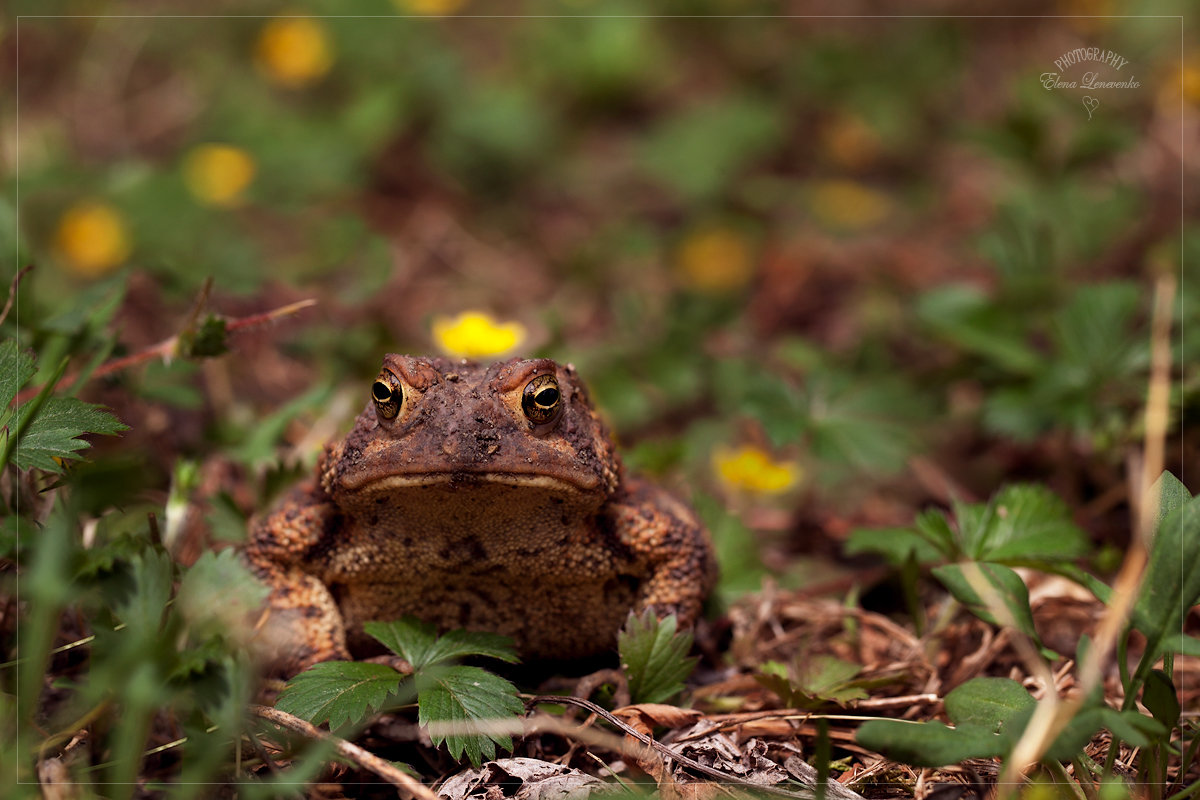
(1028, 526)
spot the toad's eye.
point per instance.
(541, 401)
(388, 396)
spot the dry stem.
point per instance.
(368, 761)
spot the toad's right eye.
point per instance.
(388, 396)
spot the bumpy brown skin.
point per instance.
(462, 511)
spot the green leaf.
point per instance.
(206, 340)
(819, 681)
(218, 592)
(1099, 588)
(417, 643)
(1017, 412)
(1181, 643)
(1075, 736)
(742, 569)
(1133, 727)
(47, 427)
(15, 424)
(745, 390)
(1172, 583)
(1130, 726)
(929, 744)
(698, 151)
(54, 432)
(773, 676)
(1171, 494)
(969, 319)
(339, 692)
(1029, 523)
(144, 607)
(1021, 523)
(894, 544)
(45, 589)
(933, 526)
(455, 700)
(866, 425)
(16, 368)
(1007, 584)
(990, 703)
(830, 678)
(1094, 330)
(654, 657)
(1158, 695)
(493, 134)
(259, 444)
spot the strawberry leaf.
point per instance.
(55, 431)
(16, 367)
(456, 702)
(1005, 584)
(654, 657)
(47, 428)
(339, 692)
(418, 643)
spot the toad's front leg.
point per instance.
(302, 624)
(665, 536)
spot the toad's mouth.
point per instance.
(465, 481)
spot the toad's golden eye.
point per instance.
(388, 395)
(541, 401)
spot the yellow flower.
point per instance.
(431, 8)
(1180, 76)
(218, 174)
(753, 470)
(849, 142)
(92, 239)
(715, 260)
(1191, 82)
(848, 205)
(293, 51)
(474, 334)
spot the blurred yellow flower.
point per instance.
(218, 174)
(849, 142)
(429, 7)
(293, 51)
(848, 205)
(92, 239)
(474, 334)
(1191, 82)
(753, 470)
(1180, 77)
(715, 260)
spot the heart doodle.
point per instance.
(1090, 103)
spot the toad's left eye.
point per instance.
(541, 401)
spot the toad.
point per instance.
(473, 496)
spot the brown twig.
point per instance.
(81, 724)
(168, 348)
(268, 316)
(904, 701)
(1129, 579)
(364, 759)
(12, 291)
